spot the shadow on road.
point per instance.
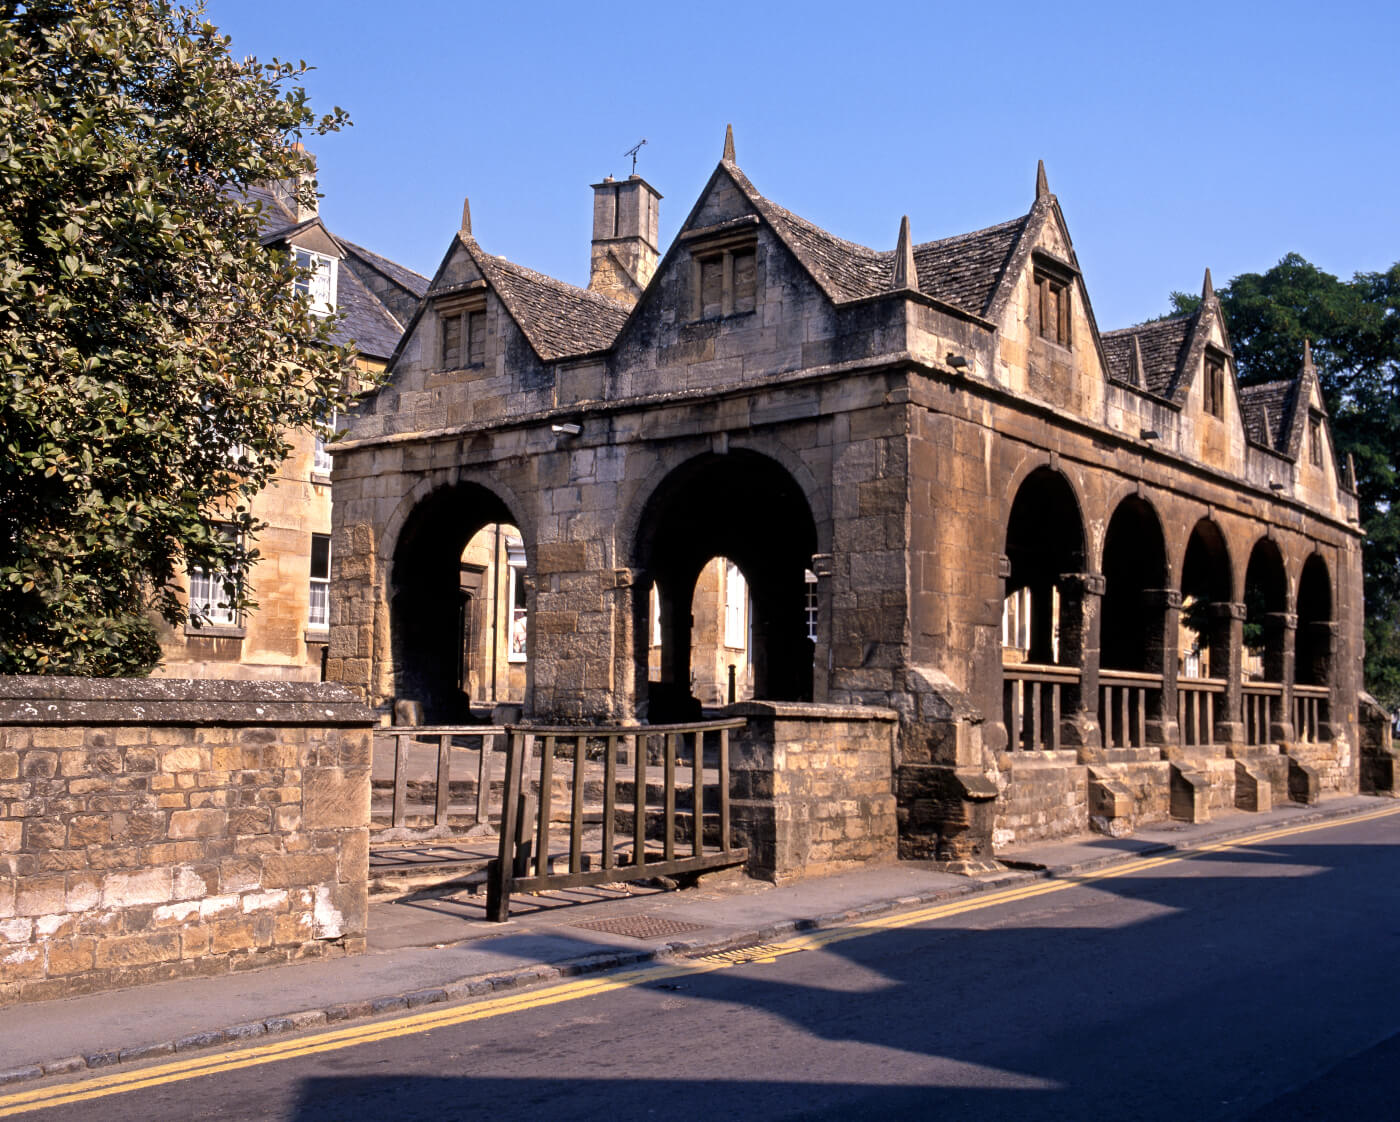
(1205, 988)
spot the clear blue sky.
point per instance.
(1176, 136)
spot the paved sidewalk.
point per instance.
(434, 949)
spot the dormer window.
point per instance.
(463, 337)
(724, 278)
(1052, 304)
(1213, 387)
(317, 281)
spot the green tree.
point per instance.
(1354, 329)
(152, 358)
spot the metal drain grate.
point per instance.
(640, 926)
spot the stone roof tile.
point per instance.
(1164, 344)
(559, 320)
(1270, 402)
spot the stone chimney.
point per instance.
(287, 190)
(624, 253)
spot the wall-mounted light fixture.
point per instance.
(1151, 434)
(566, 428)
(958, 362)
(1275, 485)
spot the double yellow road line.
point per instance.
(215, 1063)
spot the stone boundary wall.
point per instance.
(160, 828)
(813, 787)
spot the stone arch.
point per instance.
(1045, 544)
(1266, 606)
(423, 574)
(747, 507)
(1207, 588)
(1134, 567)
(1313, 659)
(818, 498)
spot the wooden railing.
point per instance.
(1032, 702)
(1124, 697)
(1197, 702)
(1310, 713)
(535, 750)
(489, 740)
(1263, 704)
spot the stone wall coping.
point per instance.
(809, 711)
(42, 700)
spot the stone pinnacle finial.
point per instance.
(467, 215)
(1350, 476)
(905, 274)
(728, 156)
(1138, 372)
(1307, 354)
(1207, 289)
(1042, 185)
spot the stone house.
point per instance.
(949, 495)
(286, 636)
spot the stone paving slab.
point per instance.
(431, 950)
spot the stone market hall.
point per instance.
(1086, 579)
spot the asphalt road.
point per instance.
(1256, 982)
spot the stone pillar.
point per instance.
(1227, 635)
(1280, 636)
(821, 657)
(1081, 599)
(1162, 644)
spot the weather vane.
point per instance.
(633, 153)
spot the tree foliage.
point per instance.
(152, 358)
(1354, 329)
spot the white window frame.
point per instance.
(210, 596)
(655, 607)
(326, 432)
(320, 286)
(736, 596)
(517, 620)
(319, 602)
(811, 604)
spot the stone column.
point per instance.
(821, 656)
(1280, 635)
(1081, 600)
(1161, 646)
(1227, 635)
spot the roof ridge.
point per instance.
(554, 282)
(1147, 325)
(995, 227)
(361, 251)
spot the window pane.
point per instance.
(321, 556)
(745, 280)
(452, 342)
(476, 337)
(711, 286)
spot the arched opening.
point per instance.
(1203, 643)
(1265, 602)
(1042, 620)
(1134, 572)
(1044, 543)
(458, 613)
(1312, 663)
(724, 545)
(1133, 636)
